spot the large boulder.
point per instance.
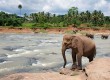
(99, 69)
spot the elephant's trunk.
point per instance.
(63, 54)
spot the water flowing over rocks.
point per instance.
(99, 69)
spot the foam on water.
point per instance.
(4, 70)
(24, 50)
(5, 62)
(19, 50)
(36, 50)
(19, 54)
(39, 63)
(11, 48)
(45, 44)
(49, 41)
(8, 69)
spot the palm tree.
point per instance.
(20, 7)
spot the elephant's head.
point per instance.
(69, 41)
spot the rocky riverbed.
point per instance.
(93, 71)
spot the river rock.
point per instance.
(99, 69)
(65, 71)
(69, 72)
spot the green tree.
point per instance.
(88, 16)
(73, 12)
(25, 17)
(107, 19)
(73, 15)
(97, 18)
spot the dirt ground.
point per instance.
(52, 30)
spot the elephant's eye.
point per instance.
(65, 43)
(68, 40)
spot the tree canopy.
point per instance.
(46, 19)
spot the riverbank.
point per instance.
(54, 30)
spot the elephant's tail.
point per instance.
(94, 51)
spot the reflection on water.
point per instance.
(38, 52)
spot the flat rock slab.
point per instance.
(40, 76)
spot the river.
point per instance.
(39, 52)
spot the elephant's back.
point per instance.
(87, 40)
(88, 45)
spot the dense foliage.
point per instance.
(46, 20)
(10, 19)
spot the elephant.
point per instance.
(90, 35)
(81, 46)
(104, 36)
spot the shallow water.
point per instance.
(38, 52)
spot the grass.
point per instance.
(69, 32)
(28, 25)
(41, 25)
(43, 31)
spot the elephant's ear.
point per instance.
(74, 42)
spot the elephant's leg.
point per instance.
(79, 59)
(90, 58)
(74, 66)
